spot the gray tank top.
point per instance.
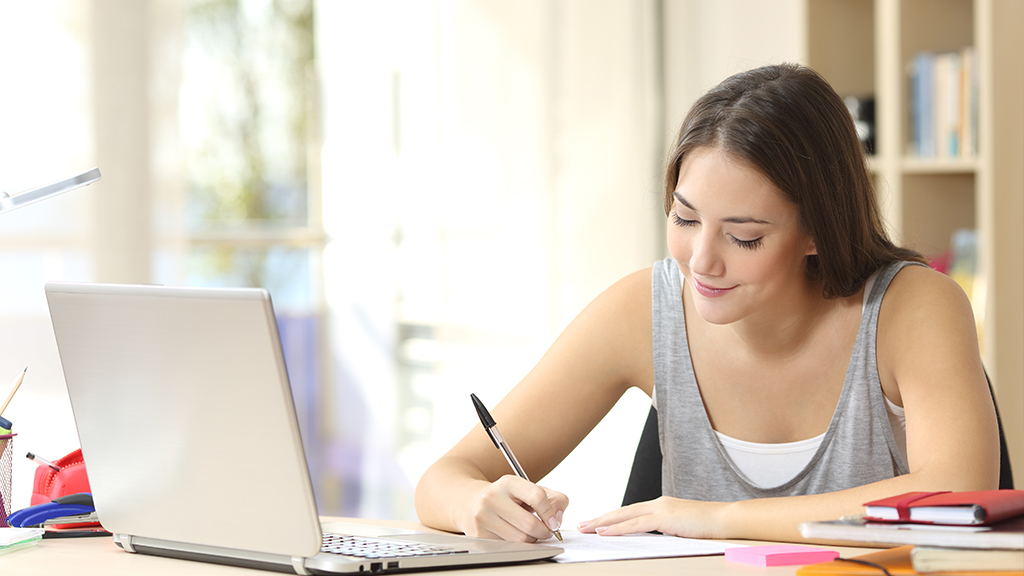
(858, 448)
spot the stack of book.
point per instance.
(962, 532)
(944, 104)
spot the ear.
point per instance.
(812, 249)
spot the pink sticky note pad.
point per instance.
(780, 555)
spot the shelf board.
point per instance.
(916, 165)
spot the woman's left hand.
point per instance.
(687, 518)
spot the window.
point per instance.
(247, 213)
(45, 135)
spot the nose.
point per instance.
(705, 259)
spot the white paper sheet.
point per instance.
(593, 548)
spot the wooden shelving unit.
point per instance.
(865, 47)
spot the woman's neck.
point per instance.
(791, 325)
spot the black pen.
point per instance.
(499, 441)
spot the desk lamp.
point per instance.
(8, 202)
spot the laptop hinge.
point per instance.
(298, 563)
(126, 542)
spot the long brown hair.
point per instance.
(788, 123)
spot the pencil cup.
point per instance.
(6, 468)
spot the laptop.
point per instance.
(189, 434)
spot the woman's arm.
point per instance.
(928, 360)
(602, 353)
(928, 348)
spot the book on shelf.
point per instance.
(934, 559)
(944, 104)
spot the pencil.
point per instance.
(14, 388)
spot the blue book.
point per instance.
(924, 104)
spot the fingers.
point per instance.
(646, 523)
(559, 502)
(686, 518)
(615, 517)
(509, 508)
(548, 505)
(506, 510)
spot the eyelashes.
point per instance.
(745, 244)
(748, 244)
(680, 222)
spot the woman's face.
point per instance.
(735, 238)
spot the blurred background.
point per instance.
(432, 189)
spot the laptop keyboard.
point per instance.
(372, 548)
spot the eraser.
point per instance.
(780, 555)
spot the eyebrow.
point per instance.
(732, 219)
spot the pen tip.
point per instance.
(559, 536)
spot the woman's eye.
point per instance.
(748, 244)
(680, 222)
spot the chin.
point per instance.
(717, 312)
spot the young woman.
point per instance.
(801, 364)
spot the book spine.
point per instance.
(964, 114)
(974, 101)
(952, 86)
(943, 104)
(922, 118)
(928, 112)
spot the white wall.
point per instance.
(501, 163)
(708, 40)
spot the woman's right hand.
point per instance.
(513, 509)
(602, 353)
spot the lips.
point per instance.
(710, 291)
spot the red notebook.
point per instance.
(957, 508)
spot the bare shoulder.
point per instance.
(926, 332)
(624, 309)
(630, 294)
(612, 335)
(919, 296)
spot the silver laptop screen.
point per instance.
(185, 415)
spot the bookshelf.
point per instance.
(867, 48)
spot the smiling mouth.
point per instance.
(709, 291)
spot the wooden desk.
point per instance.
(100, 556)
